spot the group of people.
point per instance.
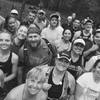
(44, 59)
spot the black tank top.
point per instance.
(56, 90)
(73, 69)
(6, 67)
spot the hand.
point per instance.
(46, 86)
(80, 70)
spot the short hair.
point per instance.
(95, 64)
(37, 73)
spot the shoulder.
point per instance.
(84, 78)
(14, 93)
(14, 57)
(45, 29)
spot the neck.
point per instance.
(74, 54)
(4, 52)
(57, 72)
(52, 27)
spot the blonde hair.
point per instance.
(36, 73)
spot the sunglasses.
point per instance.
(79, 45)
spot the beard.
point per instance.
(34, 45)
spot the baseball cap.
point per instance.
(81, 41)
(41, 12)
(64, 56)
(56, 15)
(14, 11)
(88, 21)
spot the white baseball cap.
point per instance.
(79, 41)
(14, 11)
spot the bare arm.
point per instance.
(1, 79)
(14, 68)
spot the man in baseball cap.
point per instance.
(14, 11)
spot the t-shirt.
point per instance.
(91, 88)
(52, 35)
(62, 46)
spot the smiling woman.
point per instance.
(8, 61)
(33, 87)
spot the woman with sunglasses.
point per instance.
(76, 53)
(61, 81)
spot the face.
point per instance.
(61, 64)
(12, 24)
(97, 70)
(41, 15)
(69, 19)
(74, 15)
(31, 16)
(88, 26)
(97, 38)
(33, 40)
(78, 48)
(5, 41)
(22, 32)
(34, 85)
(76, 23)
(54, 22)
(67, 35)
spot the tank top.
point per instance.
(73, 69)
(56, 90)
(6, 67)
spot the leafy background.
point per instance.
(82, 8)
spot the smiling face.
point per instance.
(12, 24)
(97, 38)
(62, 64)
(31, 16)
(67, 35)
(33, 39)
(22, 32)
(5, 41)
(88, 26)
(54, 22)
(78, 48)
(35, 81)
(34, 85)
